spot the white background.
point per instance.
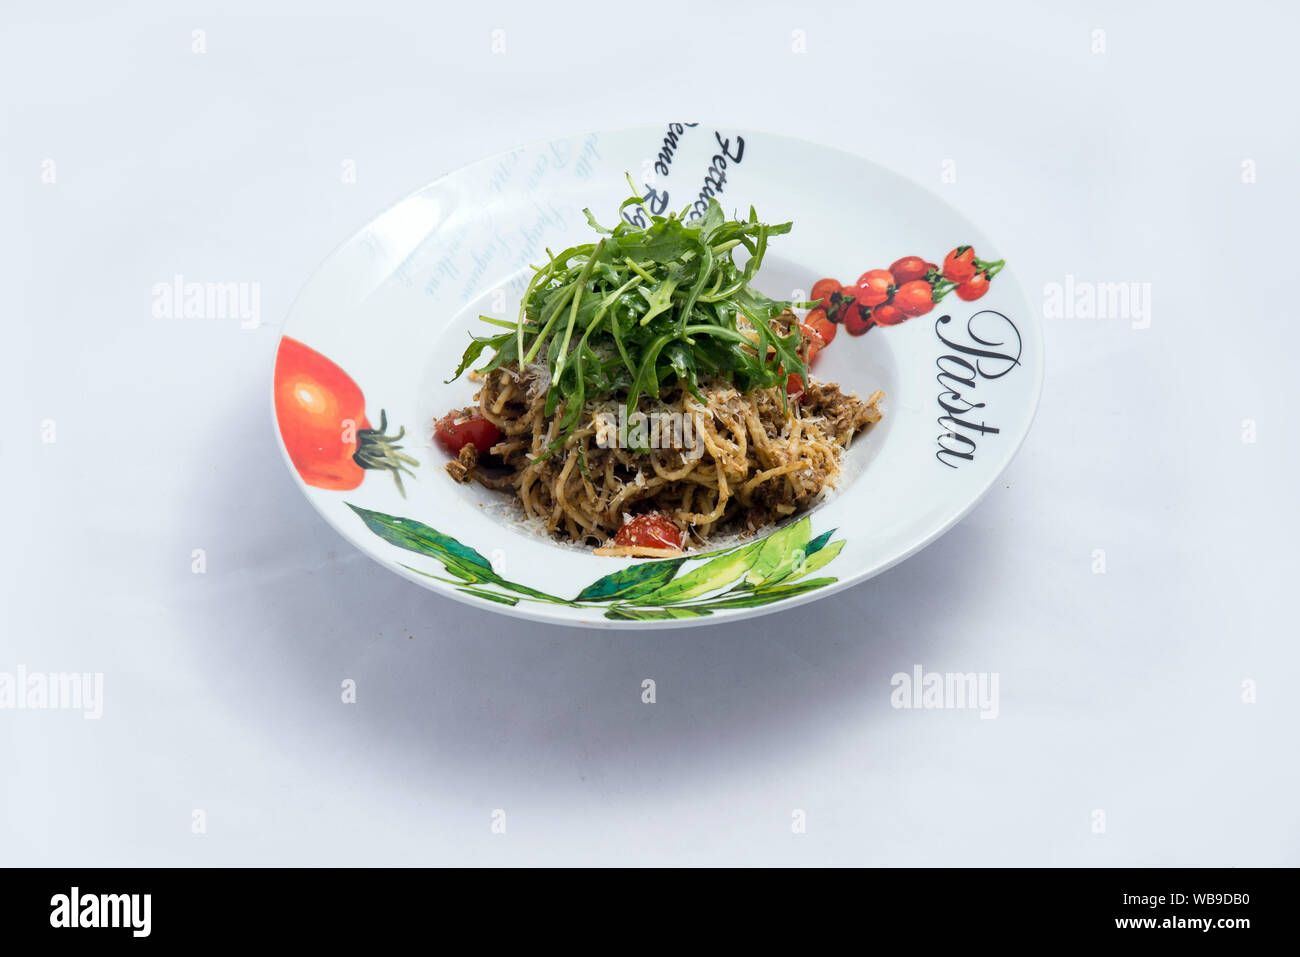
(1120, 692)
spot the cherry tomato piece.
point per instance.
(794, 388)
(652, 530)
(455, 430)
(822, 325)
(816, 341)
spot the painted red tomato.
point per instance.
(915, 298)
(322, 417)
(875, 286)
(652, 530)
(855, 323)
(823, 289)
(887, 314)
(959, 265)
(910, 268)
(974, 287)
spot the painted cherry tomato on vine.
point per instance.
(974, 287)
(910, 268)
(887, 314)
(652, 530)
(455, 430)
(833, 307)
(959, 265)
(822, 325)
(914, 298)
(857, 324)
(322, 417)
(823, 289)
(875, 286)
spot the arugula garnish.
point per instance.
(648, 307)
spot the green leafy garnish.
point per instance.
(644, 308)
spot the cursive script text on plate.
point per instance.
(987, 349)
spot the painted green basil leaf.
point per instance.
(767, 595)
(418, 537)
(708, 577)
(490, 595)
(780, 552)
(816, 560)
(718, 552)
(461, 561)
(818, 543)
(632, 582)
(437, 578)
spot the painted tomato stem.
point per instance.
(375, 450)
(942, 287)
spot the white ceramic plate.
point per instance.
(389, 313)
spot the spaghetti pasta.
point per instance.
(752, 458)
